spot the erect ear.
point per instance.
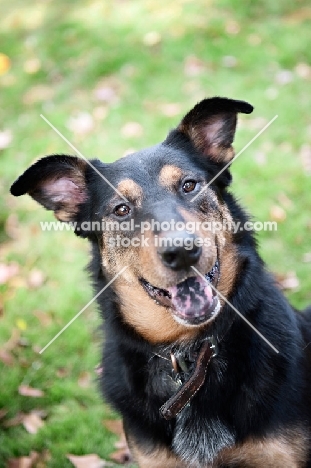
(57, 182)
(211, 125)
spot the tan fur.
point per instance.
(170, 176)
(131, 190)
(159, 458)
(283, 451)
(154, 322)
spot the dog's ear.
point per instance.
(211, 125)
(57, 182)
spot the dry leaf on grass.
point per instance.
(132, 130)
(44, 318)
(24, 462)
(38, 93)
(87, 461)
(15, 421)
(307, 257)
(121, 456)
(305, 156)
(13, 340)
(3, 413)
(36, 279)
(193, 66)
(32, 422)
(81, 123)
(114, 425)
(34, 460)
(8, 271)
(277, 213)
(84, 379)
(6, 357)
(288, 281)
(30, 391)
(5, 139)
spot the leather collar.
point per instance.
(187, 391)
(189, 373)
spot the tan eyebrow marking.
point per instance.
(170, 175)
(131, 190)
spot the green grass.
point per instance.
(75, 46)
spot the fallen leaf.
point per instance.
(307, 257)
(170, 109)
(44, 318)
(38, 93)
(84, 379)
(87, 461)
(5, 63)
(232, 27)
(121, 443)
(305, 156)
(194, 66)
(100, 112)
(299, 16)
(277, 213)
(36, 279)
(24, 462)
(62, 372)
(289, 281)
(254, 39)
(5, 139)
(121, 456)
(132, 130)
(24, 390)
(3, 413)
(108, 90)
(303, 70)
(114, 425)
(81, 124)
(32, 423)
(15, 421)
(13, 341)
(152, 38)
(6, 357)
(8, 271)
(285, 201)
(12, 227)
(32, 65)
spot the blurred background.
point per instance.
(115, 76)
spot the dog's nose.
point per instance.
(178, 250)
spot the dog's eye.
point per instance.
(122, 210)
(189, 186)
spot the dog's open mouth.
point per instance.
(193, 301)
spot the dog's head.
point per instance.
(155, 212)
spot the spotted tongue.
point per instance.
(192, 298)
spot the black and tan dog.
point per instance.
(195, 385)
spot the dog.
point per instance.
(204, 358)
